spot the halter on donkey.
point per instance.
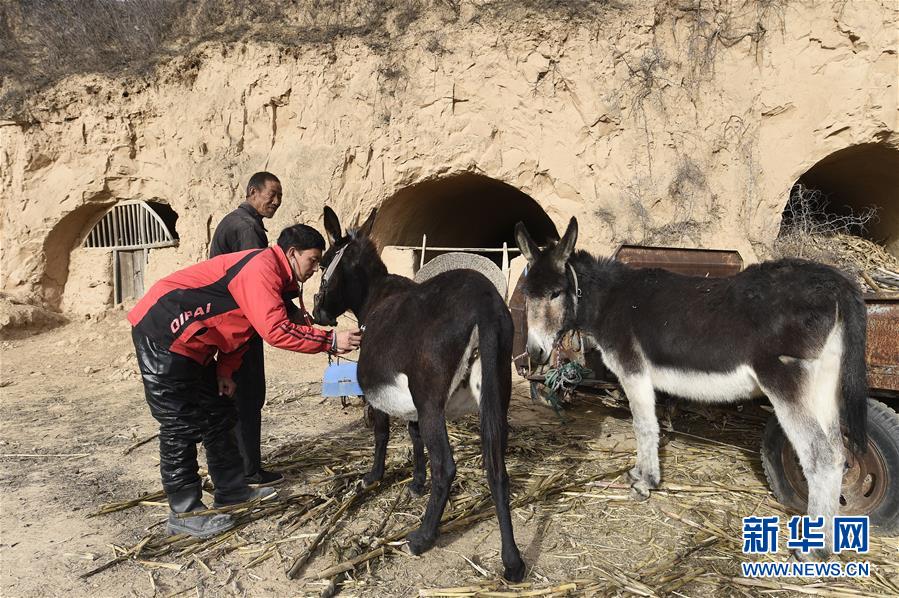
(791, 330)
(431, 351)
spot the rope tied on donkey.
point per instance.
(563, 380)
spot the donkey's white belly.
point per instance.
(393, 399)
(735, 385)
(714, 387)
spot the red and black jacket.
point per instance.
(215, 307)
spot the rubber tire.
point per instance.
(883, 432)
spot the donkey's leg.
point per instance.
(382, 435)
(443, 470)
(820, 452)
(419, 471)
(642, 399)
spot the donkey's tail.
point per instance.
(853, 374)
(495, 346)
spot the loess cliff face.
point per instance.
(672, 124)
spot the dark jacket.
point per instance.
(240, 230)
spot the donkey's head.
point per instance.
(348, 265)
(550, 290)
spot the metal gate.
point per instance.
(130, 228)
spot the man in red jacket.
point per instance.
(190, 331)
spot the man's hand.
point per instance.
(348, 340)
(227, 386)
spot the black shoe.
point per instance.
(264, 478)
(199, 526)
(255, 494)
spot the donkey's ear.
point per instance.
(332, 226)
(365, 229)
(563, 250)
(526, 244)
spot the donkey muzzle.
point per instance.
(538, 354)
(321, 317)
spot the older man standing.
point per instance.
(240, 230)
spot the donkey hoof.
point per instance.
(640, 491)
(371, 478)
(417, 488)
(515, 572)
(419, 542)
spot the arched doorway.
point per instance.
(130, 229)
(109, 258)
(853, 180)
(464, 211)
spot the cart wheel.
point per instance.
(870, 484)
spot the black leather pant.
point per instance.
(249, 399)
(183, 397)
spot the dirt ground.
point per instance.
(73, 411)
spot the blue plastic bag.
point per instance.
(340, 380)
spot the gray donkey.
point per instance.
(791, 330)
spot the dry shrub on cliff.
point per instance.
(809, 216)
(687, 189)
(814, 229)
(44, 41)
(607, 217)
(688, 209)
(566, 10)
(711, 26)
(647, 76)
